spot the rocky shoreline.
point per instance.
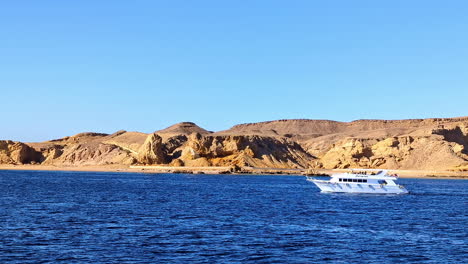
(227, 171)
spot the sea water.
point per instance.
(90, 217)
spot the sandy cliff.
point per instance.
(17, 153)
(438, 144)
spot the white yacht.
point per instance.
(358, 181)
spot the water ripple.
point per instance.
(77, 217)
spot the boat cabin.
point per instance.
(381, 177)
(351, 180)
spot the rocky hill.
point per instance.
(430, 144)
(184, 128)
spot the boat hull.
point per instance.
(326, 186)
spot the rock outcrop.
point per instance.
(425, 153)
(151, 152)
(205, 150)
(18, 153)
(248, 150)
(90, 154)
(84, 149)
(441, 148)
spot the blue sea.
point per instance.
(90, 217)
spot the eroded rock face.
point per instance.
(424, 152)
(198, 150)
(86, 155)
(456, 134)
(51, 153)
(87, 149)
(17, 153)
(152, 151)
(258, 151)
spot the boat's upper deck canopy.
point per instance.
(365, 174)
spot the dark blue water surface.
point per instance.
(76, 217)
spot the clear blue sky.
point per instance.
(74, 66)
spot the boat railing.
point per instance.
(362, 183)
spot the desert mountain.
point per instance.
(437, 143)
(184, 128)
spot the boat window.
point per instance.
(364, 180)
(359, 180)
(354, 180)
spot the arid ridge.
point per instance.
(412, 144)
